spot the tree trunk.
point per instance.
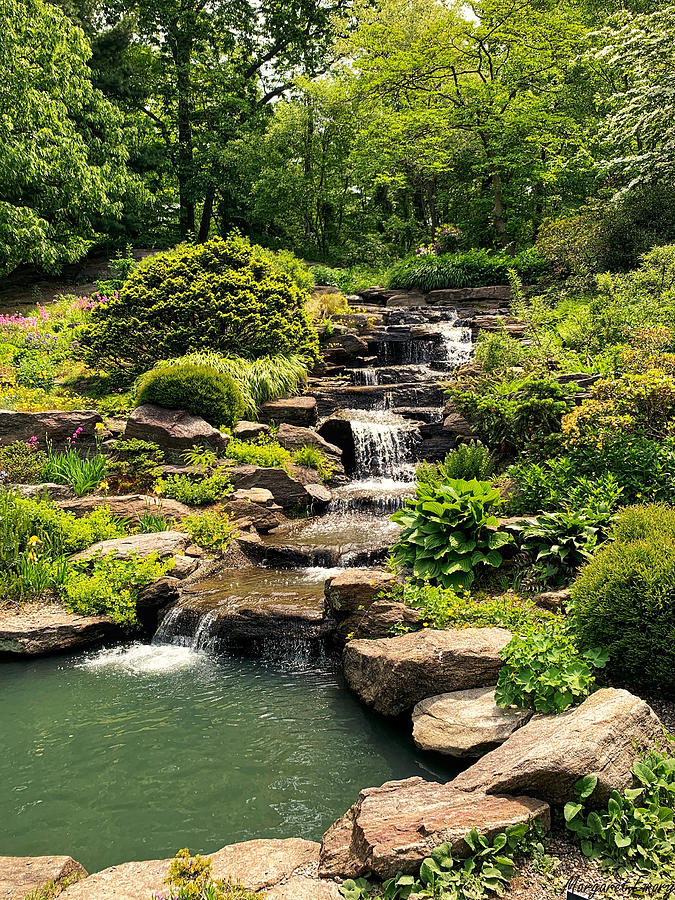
(182, 55)
(207, 213)
(498, 211)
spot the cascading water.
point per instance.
(456, 344)
(365, 377)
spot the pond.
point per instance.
(133, 753)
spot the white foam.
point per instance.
(140, 659)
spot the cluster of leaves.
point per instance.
(449, 532)
(84, 472)
(487, 869)
(624, 598)
(636, 831)
(209, 488)
(135, 462)
(467, 461)
(545, 671)
(266, 452)
(515, 414)
(198, 388)
(190, 878)
(473, 268)
(22, 462)
(211, 529)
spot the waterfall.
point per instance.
(408, 352)
(364, 377)
(383, 444)
(456, 344)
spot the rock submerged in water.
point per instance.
(602, 737)
(392, 828)
(465, 723)
(393, 674)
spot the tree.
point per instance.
(62, 162)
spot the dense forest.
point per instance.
(351, 132)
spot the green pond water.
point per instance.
(133, 753)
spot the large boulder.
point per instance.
(465, 723)
(51, 629)
(21, 875)
(173, 429)
(602, 737)
(354, 590)
(379, 620)
(300, 411)
(163, 543)
(262, 865)
(393, 674)
(56, 425)
(288, 491)
(392, 828)
(55, 492)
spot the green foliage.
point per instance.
(474, 268)
(516, 414)
(190, 879)
(121, 267)
(287, 262)
(466, 461)
(562, 541)
(446, 608)
(497, 351)
(263, 451)
(312, 457)
(636, 831)
(151, 522)
(449, 532)
(220, 295)
(195, 492)
(22, 463)
(111, 587)
(543, 670)
(624, 599)
(201, 390)
(259, 380)
(35, 372)
(135, 462)
(84, 473)
(211, 529)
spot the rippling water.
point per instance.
(132, 753)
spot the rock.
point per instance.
(379, 620)
(393, 674)
(261, 517)
(258, 865)
(450, 296)
(54, 491)
(183, 566)
(456, 425)
(153, 598)
(295, 411)
(126, 505)
(173, 429)
(319, 495)
(464, 723)
(292, 437)
(20, 875)
(603, 737)
(303, 888)
(51, 629)
(248, 431)
(288, 492)
(57, 425)
(554, 601)
(392, 828)
(355, 589)
(163, 543)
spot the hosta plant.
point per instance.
(449, 532)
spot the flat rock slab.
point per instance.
(603, 737)
(465, 723)
(125, 505)
(52, 629)
(393, 828)
(163, 543)
(258, 865)
(301, 411)
(19, 875)
(393, 674)
(57, 425)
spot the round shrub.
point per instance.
(200, 390)
(624, 600)
(220, 295)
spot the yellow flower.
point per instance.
(33, 540)
(99, 426)
(103, 486)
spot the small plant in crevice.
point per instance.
(194, 492)
(212, 529)
(135, 462)
(190, 878)
(466, 461)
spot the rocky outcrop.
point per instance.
(465, 723)
(21, 875)
(392, 828)
(263, 865)
(602, 737)
(554, 601)
(173, 429)
(56, 425)
(163, 543)
(378, 620)
(51, 629)
(301, 411)
(126, 505)
(154, 598)
(289, 492)
(394, 674)
(56, 492)
(249, 431)
(293, 437)
(354, 590)
(245, 512)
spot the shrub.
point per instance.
(220, 295)
(263, 452)
(287, 262)
(474, 268)
(22, 463)
(497, 351)
(516, 414)
(323, 306)
(135, 462)
(190, 879)
(199, 389)
(209, 489)
(212, 529)
(624, 599)
(467, 461)
(83, 473)
(448, 532)
(543, 670)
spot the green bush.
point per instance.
(543, 670)
(497, 351)
(624, 599)
(466, 461)
(211, 529)
(135, 462)
(263, 452)
(287, 262)
(312, 457)
(199, 389)
(22, 463)
(220, 295)
(190, 878)
(449, 532)
(209, 489)
(474, 268)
